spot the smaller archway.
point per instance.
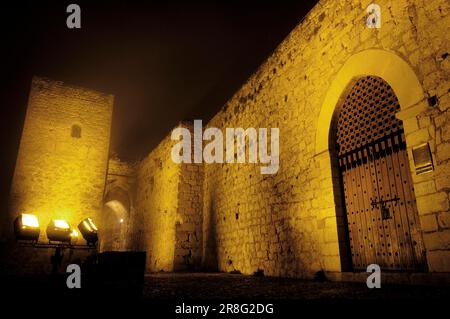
(115, 220)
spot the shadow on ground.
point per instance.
(175, 287)
(207, 286)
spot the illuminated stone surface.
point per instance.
(230, 217)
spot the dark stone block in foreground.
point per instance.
(117, 275)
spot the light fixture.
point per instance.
(26, 227)
(59, 230)
(73, 236)
(89, 231)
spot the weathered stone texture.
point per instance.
(60, 170)
(230, 217)
(122, 226)
(286, 224)
(169, 198)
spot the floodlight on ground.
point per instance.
(88, 231)
(59, 230)
(26, 227)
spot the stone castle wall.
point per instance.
(287, 224)
(230, 217)
(169, 198)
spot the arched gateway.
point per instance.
(382, 220)
(366, 97)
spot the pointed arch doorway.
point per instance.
(378, 196)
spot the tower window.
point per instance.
(76, 131)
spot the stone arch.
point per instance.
(115, 220)
(384, 64)
(375, 62)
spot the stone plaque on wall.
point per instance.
(423, 161)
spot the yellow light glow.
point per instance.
(60, 223)
(121, 220)
(92, 224)
(74, 233)
(29, 220)
(86, 224)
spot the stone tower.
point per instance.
(63, 155)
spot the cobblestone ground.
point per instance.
(229, 286)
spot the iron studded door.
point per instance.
(383, 225)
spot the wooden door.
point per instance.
(383, 223)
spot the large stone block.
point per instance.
(439, 240)
(443, 176)
(443, 152)
(418, 137)
(439, 261)
(444, 220)
(432, 203)
(425, 188)
(428, 223)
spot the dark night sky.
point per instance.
(164, 62)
